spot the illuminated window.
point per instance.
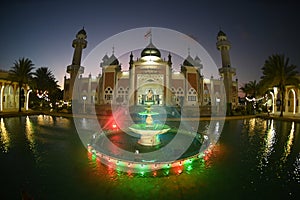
(121, 95)
(179, 95)
(108, 94)
(192, 95)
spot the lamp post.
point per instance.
(84, 99)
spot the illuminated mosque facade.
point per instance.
(150, 73)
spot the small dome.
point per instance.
(189, 61)
(113, 60)
(82, 31)
(150, 50)
(221, 33)
(105, 58)
(197, 59)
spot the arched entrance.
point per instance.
(8, 97)
(153, 84)
(271, 103)
(291, 101)
(156, 92)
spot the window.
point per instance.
(108, 94)
(179, 95)
(191, 98)
(192, 95)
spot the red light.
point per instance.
(114, 126)
(154, 173)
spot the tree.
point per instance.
(251, 88)
(245, 89)
(21, 72)
(279, 73)
(46, 85)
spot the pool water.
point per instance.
(254, 159)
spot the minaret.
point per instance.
(75, 69)
(226, 71)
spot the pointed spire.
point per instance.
(149, 34)
(169, 59)
(131, 60)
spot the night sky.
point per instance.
(43, 30)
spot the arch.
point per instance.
(1, 98)
(108, 94)
(120, 95)
(192, 95)
(273, 101)
(217, 98)
(292, 101)
(8, 97)
(173, 93)
(157, 91)
(179, 93)
(16, 98)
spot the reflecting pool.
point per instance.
(254, 159)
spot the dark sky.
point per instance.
(43, 30)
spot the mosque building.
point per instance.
(149, 73)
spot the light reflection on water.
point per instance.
(5, 138)
(45, 120)
(30, 135)
(289, 144)
(268, 146)
(296, 172)
(252, 157)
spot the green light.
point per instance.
(166, 172)
(119, 171)
(189, 168)
(94, 157)
(201, 155)
(142, 173)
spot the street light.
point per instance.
(84, 98)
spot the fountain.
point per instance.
(148, 146)
(149, 131)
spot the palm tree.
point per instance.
(279, 73)
(21, 73)
(245, 89)
(251, 88)
(44, 80)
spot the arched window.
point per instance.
(179, 95)
(121, 95)
(192, 95)
(206, 96)
(108, 94)
(126, 93)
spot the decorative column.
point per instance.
(226, 71)
(75, 69)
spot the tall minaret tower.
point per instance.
(75, 69)
(226, 71)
